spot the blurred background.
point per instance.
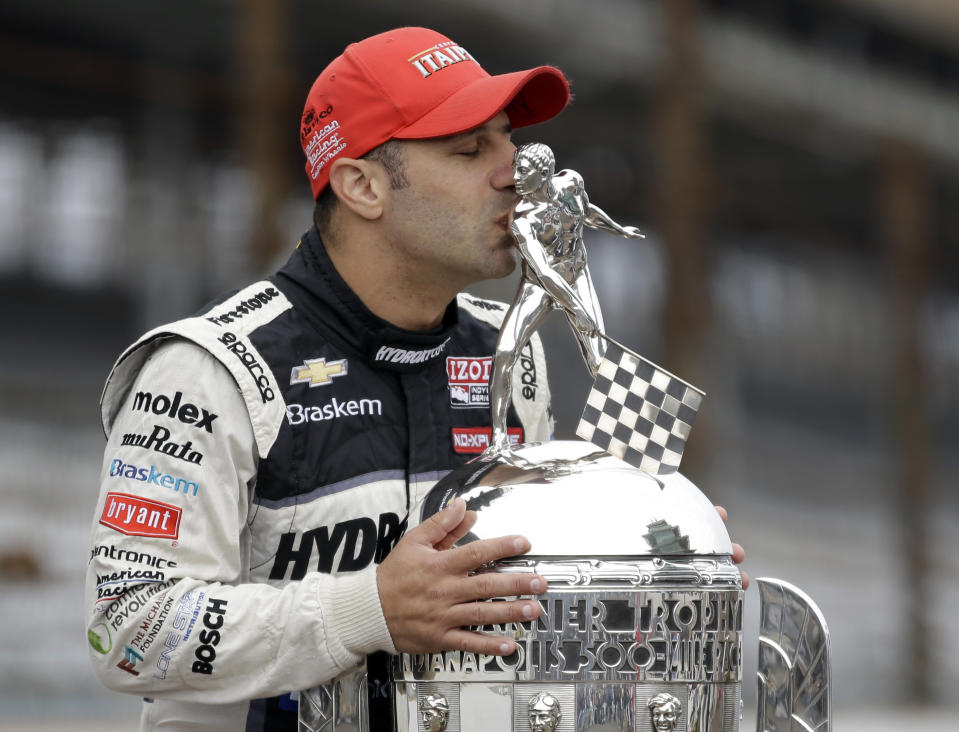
(795, 164)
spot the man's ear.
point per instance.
(360, 185)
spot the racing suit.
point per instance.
(262, 458)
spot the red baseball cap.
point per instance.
(412, 84)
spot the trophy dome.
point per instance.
(571, 499)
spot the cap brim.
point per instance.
(528, 97)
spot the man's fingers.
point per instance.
(436, 528)
(479, 614)
(469, 520)
(723, 513)
(739, 554)
(477, 553)
(490, 645)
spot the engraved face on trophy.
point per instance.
(664, 710)
(544, 712)
(434, 712)
(533, 165)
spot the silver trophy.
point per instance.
(641, 628)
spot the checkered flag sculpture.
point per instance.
(638, 412)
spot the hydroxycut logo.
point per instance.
(137, 516)
(149, 474)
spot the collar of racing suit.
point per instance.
(384, 345)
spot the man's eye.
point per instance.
(470, 153)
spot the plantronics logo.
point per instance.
(120, 469)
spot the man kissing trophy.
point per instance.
(641, 623)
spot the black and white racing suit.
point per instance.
(262, 458)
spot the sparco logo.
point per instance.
(299, 413)
(120, 469)
(136, 516)
(245, 307)
(439, 57)
(388, 354)
(209, 637)
(187, 413)
(528, 375)
(239, 349)
(159, 441)
(469, 440)
(362, 540)
(469, 381)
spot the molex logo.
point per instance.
(175, 408)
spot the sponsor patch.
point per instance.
(317, 372)
(334, 409)
(137, 516)
(149, 474)
(473, 440)
(175, 408)
(430, 60)
(469, 381)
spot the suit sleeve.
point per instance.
(170, 610)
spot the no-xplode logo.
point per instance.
(471, 440)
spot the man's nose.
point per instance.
(502, 177)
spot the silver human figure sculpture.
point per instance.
(544, 712)
(434, 712)
(548, 226)
(664, 710)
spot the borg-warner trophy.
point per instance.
(642, 620)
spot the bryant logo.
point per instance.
(469, 381)
(136, 516)
(439, 57)
(473, 440)
(317, 372)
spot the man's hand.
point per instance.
(429, 598)
(739, 554)
(631, 232)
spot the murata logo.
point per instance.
(137, 516)
(438, 57)
(469, 381)
(473, 440)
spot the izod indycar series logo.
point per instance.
(469, 440)
(469, 381)
(137, 516)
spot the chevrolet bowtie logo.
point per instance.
(317, 372)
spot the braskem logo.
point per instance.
(149, 474)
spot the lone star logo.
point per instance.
(317, 372)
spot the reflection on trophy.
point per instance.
(641, 626)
